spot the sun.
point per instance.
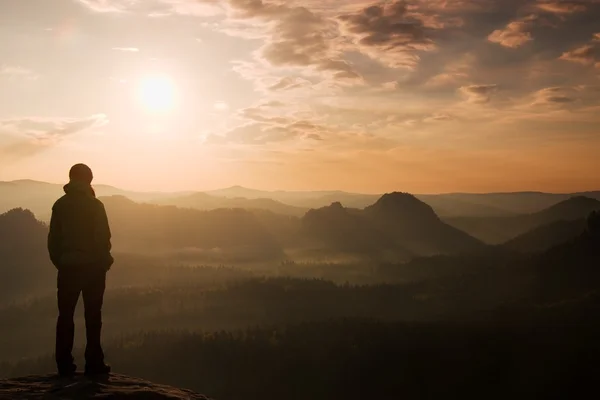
(157, 93)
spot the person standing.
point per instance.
(79, 246)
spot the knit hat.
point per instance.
(81, 173)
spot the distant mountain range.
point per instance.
(305, 199)
(39, 197)
(571, 268)
(417, 227)
(496, 230)
(24, 261)
(512, 203)
(394, 227)
(546, 236)
(203, 201)
(445, 205)
(158, 229)
(397, 226)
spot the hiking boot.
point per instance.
(100, 369)
(67, 370)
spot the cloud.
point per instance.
(390, 86)
(258, 114)
(438, 118)
(297, 136)
(389, 33)
(454, 72)
(588, 54)
(415, 119)
(555, 96)
(422, 59)
(269, 82)
(579, 98)
(127, 49)
(203, 8)
(48, 131)
(445, 79)
(107, 6)
(274, 104)
(296, 37)
(221, 106)
(561, 7)
(290, 83)
(156, 8)
(30, 136)
(541, 14)
(17, 72)
(271, 122)
(515, 34)
(478, 94)
(262, 133)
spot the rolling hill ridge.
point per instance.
(398, 224)
(497, 230)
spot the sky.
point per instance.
(421, 96)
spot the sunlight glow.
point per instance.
(157, 93)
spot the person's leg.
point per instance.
(93, 297)
(68, 294)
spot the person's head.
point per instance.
(81, 173)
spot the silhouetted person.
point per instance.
(79, 247)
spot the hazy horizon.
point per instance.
(333, 189)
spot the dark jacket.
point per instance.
(79, 231)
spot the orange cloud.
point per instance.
(389, 33)
(514, 35)
(588, 54)
(478, 94)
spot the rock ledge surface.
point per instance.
(114, 386)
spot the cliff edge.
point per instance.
(114, 386)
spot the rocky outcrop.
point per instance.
(114, 386)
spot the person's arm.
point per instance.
(104, 236)
(55, 238)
